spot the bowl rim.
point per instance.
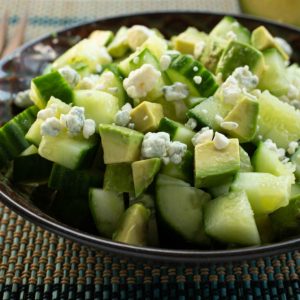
(136, 252)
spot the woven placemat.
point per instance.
(35, 264)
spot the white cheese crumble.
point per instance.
(195, 69)
(231, 35)
(177, 91)
(229, 125)
(293, 92)
(220, 141)
(204, 135)
(198, 49)
(131, 125)
(191, 123)
(164, 62)
(122, 117)
(273, 147)
(159, 145)
(245, 77)
(48, 112)
(23, 99)
(70, 75)
(197, 79)
(292, 147)
(205, 111)
(137, 35)
(284, 45)
(88, 82)
(74, 120)
(89, 128)
(51, 127)
(231, 90)
(141, 81)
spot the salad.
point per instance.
(190, 142)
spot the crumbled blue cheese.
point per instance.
(229, 125)
(191, 123)
(70, 75)
(89, 128)
(74, 120)
(273, 147)
(122, 117)
(164, 62)
(203, 136)
(137, 35)
(195, 69)
(245, 78)
(23, 99)
(293, 92)
(230, 90)
(176, 151)
(176, 92)
(220, 141)
(51, 127)
(48, 112)
(198, 49)
(141, 81)
(159, 145)
(197, 79)
(292, 147)
(284, 45)
(88, 82)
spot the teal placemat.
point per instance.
(35, 264)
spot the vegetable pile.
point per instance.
(190, 142)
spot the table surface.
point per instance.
(36, 264)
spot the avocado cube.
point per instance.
(146, 116)
(262, 39)
(245, 114)
(187, 40)
(120, 144)
(236, 55)
(118, 178)
(144, 172)
(213, 166)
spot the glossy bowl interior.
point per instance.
(16, 72)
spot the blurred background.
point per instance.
(45, 16)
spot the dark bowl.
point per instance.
(16, 72)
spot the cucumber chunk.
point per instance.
(99, 106)
(277, 121)
(119, 45)
(180, 214)
(70, 152)
(132, 228)
(51, 84)
(163, 180)
(12, 135)
(245, 161)
(106, 208)
(265, 192)
(230, 219)
(101, 37)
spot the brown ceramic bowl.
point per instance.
(16, 72)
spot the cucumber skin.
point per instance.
(53, 84)
(12, 135)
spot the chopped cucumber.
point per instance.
(119, 45)
(106, 208)
(230, 219)
(245, 161)
(163, 180)
(265, 192)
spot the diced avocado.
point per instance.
(230, 24)
(132, 228)
(119, 45)
(237, 55)
(213, 166)
(286, 220)
(262, 39)
(183, 170)
(177, 131)
(230, 219)
(120, 144)
(118, 178)
(146, 116)
(245, 161)
(245, 114)
(106, 208)
(51, 84)
(265, 192)
(265, 160)
(84, 57)
(186, 41)
(265, 228)
(143, 172)
(274, 77)
(99, 106)
(101, 37)
(277, 121)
